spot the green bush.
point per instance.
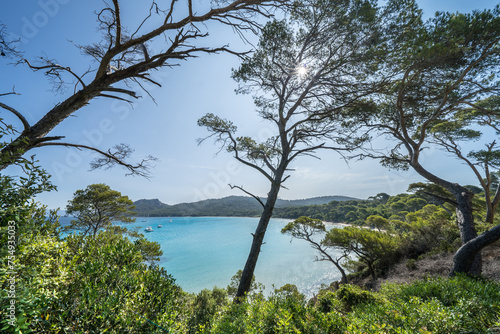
(204, 307)
(29, 247)
(327, 302)
(112, 289)
(437, 305)
(456, 305)
(412, 316)
(352, 295)
(104, 287)
(283, 312)
(411, 264)
(43, 269)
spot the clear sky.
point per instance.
(186, 172)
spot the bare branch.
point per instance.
(111, 158)
(53, 70)
(122, 58)
(23, 120)
(248, 193)
(11, 93)
(115, 97)
(7, 47)
(145, 90)
(118, 23)
(145, 77)
(444, 199)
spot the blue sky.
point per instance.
(186, 172)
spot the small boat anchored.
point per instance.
(160, 226)
(148, 229)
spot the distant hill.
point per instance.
(240, 206)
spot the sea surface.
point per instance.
(203, 252)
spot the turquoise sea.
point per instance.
(203, 252)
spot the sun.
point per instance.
(302, 71)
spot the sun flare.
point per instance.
(302, 71)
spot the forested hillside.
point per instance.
(239, 206)
(356, 211)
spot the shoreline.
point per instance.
(328, 223)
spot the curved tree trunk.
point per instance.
(344, 279)
(466, 255)
(327, 257)
(36, 134)
(471, 262)
(492, 206)
(336, 263)
(372, 270)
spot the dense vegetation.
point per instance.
(458, 305)
(103, 283)
(356, 212)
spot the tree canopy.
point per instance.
(97, 207)
(306, 71)
(443, 93)
(120, 66)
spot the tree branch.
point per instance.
(23, 120)
(140, 169)
(115, 97)
(55, 67)
(118, 23)
(442, 198)
(248, 193)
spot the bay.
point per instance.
(203, 252)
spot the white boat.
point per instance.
(148, 229)
(160, 226)
(170, 220)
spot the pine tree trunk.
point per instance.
(258, 238)
(336, 262)
(36, 133)
(466, 255)
(469, 262)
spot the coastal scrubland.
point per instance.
(107, 283)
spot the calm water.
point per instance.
(203, 252)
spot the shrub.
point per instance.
(204, 307)
(328, 302)
(411, 264)
(352, 295)
(111, 289)
(283, 312)
(457, 305)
